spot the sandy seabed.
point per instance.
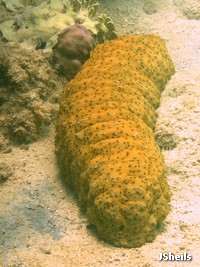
(40, 220)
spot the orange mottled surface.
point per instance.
(105, 140)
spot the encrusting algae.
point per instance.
(105, 140)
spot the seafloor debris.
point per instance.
(5, 171)
(189, 9)
(29, 92)
(105, 140)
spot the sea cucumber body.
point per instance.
(105, 140)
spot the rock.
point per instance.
(5, 171)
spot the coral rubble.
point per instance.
(28, 97)
(105, 140)
(5, 171)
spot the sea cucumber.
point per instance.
(105, 139)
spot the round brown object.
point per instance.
(73, 49)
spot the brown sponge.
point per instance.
(72, 49)
(105, 141)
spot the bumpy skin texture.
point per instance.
(73, 49)
(105, 141)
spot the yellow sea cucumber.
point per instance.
(105, 140)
